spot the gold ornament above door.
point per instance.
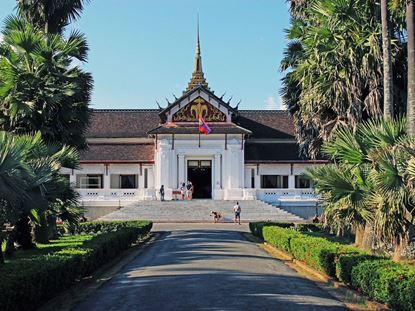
(191, 112)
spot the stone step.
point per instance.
(198, 211)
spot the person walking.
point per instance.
(162, 193)
(237, 211)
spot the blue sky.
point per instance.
(143, 51)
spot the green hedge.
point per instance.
(387, 282)
(108, 226)
(346, 262)
(317, 252)
(28, 282)
(257, 227)
(280, 237)
(377, 277)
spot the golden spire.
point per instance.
(197, 75)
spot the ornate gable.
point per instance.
(199, 106)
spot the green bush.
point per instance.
(346, 262)
(280, 237)
(316, 251)
(257, 227)
(29, 281)
(319, 253)
(108, 226)
(309, 227)
(387, 282)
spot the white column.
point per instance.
(217, 171)
(107, 180)
(72, 178)
(181, 169)
(291, 181)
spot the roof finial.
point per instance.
(197, 75)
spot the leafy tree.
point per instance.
(51, 15)
(336, 78)
(41, 88)
(30, 180)
(371, 181)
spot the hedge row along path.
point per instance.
(207, 267)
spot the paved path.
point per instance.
(207, 267)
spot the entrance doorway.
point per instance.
(199, 172)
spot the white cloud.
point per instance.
(272, 103)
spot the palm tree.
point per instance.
(369, 183)
(51, 15)
(410, 25)
(41, 88)
(30, 183)
(338, 78)
(387, 63)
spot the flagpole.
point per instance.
(199, 138)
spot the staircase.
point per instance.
(198, 211)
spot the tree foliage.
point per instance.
(42, 88)
(371, 180)
(333, 66)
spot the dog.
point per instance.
(216, 216)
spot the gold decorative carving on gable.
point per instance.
(191, 112)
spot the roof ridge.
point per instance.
(264, 110)
(126, 110)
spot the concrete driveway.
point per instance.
(207, 267)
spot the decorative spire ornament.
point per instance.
(197, 75)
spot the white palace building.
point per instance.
(249, 154)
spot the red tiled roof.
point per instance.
(118, 153)
(113, 123)
(267, 123)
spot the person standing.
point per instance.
(183, 190)
(162, 193)
(237, 211)
(191, 190)
(188, 186)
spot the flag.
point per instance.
(203, 127)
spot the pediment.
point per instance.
(191, 111)
(198, 101)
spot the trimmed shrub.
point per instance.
(387, 282)
(29, 281)
(91, 227)
(257, 227)
(346, 262)
(280, 237)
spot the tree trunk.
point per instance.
(410, 106)
(359, 234)
(388, 112)
(368, 237)
(23, 237)
(397, 254)
(41, 230)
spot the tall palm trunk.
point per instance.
(388, 112)
(410, 108)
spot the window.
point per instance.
(302, 182)
(252, 178)
(91, 181)
(128, 182)
(274, 181)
